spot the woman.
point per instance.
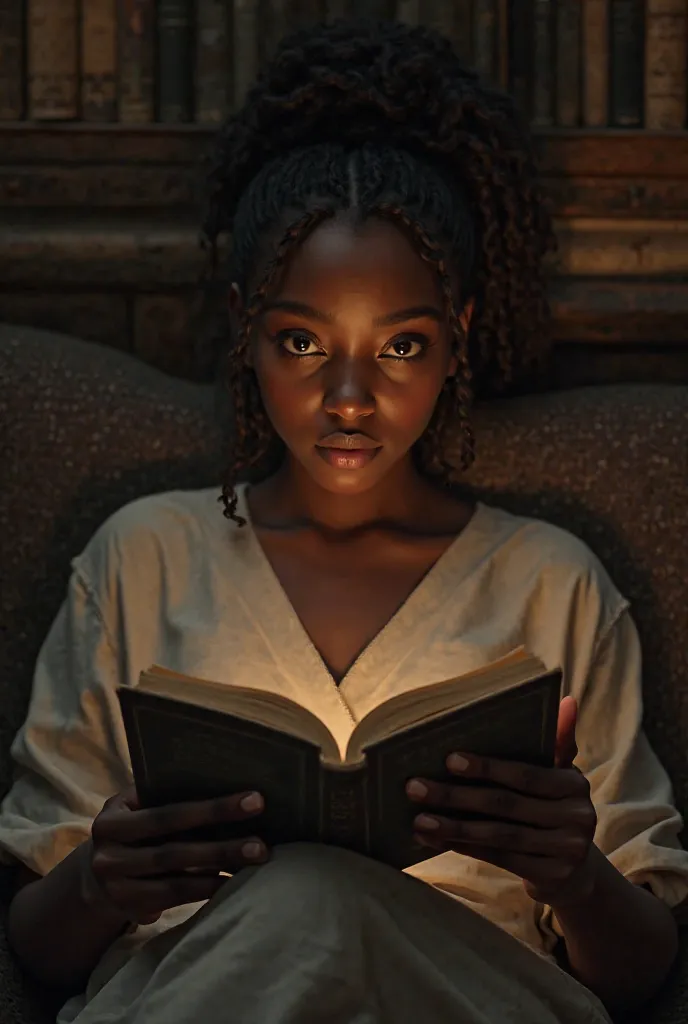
(388, 242)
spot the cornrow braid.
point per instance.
(382, 120)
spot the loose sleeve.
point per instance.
(638, 825)
(70, 755)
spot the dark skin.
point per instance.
(358, 539)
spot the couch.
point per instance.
(84, 429)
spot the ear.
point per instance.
(465, 320)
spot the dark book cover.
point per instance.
(485, 39)
(246, 47)
(175, 69)
(627, 63)
(53, 60)
(595, 15)
(99, 60)
(568, 29)
(182, 752)
(407, 11)
(521, 55)
(277, 19)
(462, 30)
(11, 60)
(136, 29)
(543, 63)
(213, 61)
(666, 61)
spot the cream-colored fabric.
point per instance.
(323, 935)
(169, 580)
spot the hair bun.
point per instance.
(349, 83)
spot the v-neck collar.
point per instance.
(388, 649)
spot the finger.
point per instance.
(566, 750)
(515, 838)
(173, 858)
(547, 783)
(120, 826)
(493, 802)
(145, 899)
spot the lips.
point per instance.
(349, 442)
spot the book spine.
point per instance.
(11, 60)
(136, 61)
(666, 57)
(568, 63)
(503, 47)
(521, 55)
(408, 12)
(280, 24)
(307, 12)
(439, 14)
(595, 30)
(337, 9)
(344, 808)
(175, 89)
(543, 64)
(212, 61)
(99, 60)
(627, 63)
(485, 39)
(463, 30)
(53, 59)
(246, 54)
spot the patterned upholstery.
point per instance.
(84, 429)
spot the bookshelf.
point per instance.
(99, 218)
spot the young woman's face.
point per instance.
(351, 353)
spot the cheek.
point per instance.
(288, 398)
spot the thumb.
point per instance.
(566, 749)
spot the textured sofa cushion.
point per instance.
(84, 429)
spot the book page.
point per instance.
(415, 706)
(261, 706)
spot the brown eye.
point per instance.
(407, 346)
(298, 343)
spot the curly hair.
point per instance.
(382, 119)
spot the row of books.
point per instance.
(595, 63)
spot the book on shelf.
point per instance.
(595, 47)
(174, 54)
(194, 739)
(99, 60)
(136, 77)
(666, 60)
(485, 40)
(11, 60)
(53, 60)
(568, 51)
(521, 55)
(407, 11)
(246, 53)
(462, 30)
(626, 57)
(543, 63)
(212, 61)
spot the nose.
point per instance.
(348, 394)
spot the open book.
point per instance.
(193, 738)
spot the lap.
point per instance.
(321, 934)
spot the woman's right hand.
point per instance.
(126, 877)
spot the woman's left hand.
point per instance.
(538, 823)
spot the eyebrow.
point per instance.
(400, 317)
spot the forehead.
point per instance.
(373, 257)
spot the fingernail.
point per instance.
(416, 789)
(251, 802)
(457, 763)
(425, 821)
(252, 850)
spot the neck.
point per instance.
(292, 496)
